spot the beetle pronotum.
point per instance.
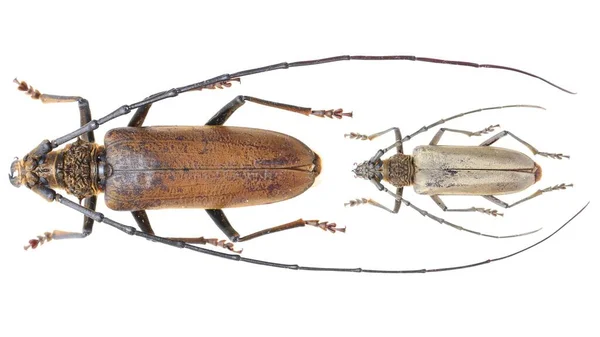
(132, 164)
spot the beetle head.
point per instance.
(16, 173)
(28, 171)
(369, 170)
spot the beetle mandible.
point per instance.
(136, 174)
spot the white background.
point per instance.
(115, 54)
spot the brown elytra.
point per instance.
(209, 167)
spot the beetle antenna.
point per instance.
(355, 270)
(99, 217)
(447, 119)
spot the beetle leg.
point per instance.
(85, 115)
(141, 218)
(397, 144)
(363, 201)
(535, 194)
(222, 115)
(535, 151)
(88, 224)
(393, 211)
(140, 114)
(99, 217)
(439, 134)
(448, 223)
(174, 92)
(222, 222)
(442, 221)
(399, 141)
(444, 208)
(444, 120)
(219, 218)
(324, 225)
(212, 241)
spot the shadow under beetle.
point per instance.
(210, 167)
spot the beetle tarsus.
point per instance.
(562, 186)
(41, 239)
(535, 194)
(486, 130)
(488, 211)
(331, 113)
(436, 139)
(356, 202)
(225, 245)
(553, 155)
(325, 225)
(215, 242)
(356, 135)
(220, 85)
(31, 91)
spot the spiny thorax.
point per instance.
(74, 169)
(399, 170)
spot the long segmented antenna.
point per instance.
(47, 146)
(360, 136)
(99, 217)
(444, 120)
(460, 228)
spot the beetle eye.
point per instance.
(14, 175)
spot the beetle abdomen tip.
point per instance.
(537, 172)
(317, 163)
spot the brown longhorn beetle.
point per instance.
(440, 170)
(210, 167)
